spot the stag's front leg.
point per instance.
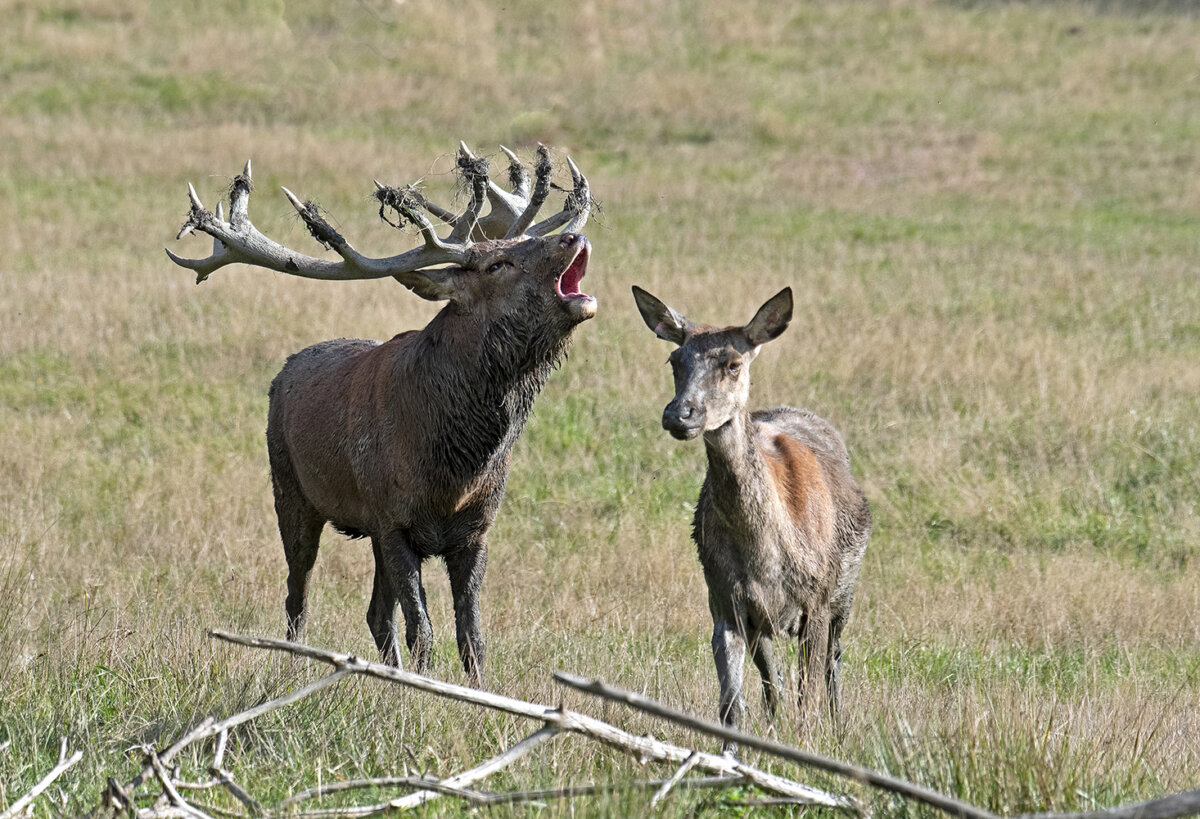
(729, 654)
(404, 573)
(381, 615)
(466, 567)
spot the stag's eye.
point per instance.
(496, 267)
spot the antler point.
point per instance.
(296, 203)
(195, 197)
(246, 170)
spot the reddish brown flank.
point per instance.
(800, 484)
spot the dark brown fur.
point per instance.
(408, 442)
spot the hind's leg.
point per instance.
(762, 649)
(833, 671)
(381, 615)
(814, 654)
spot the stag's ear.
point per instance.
(662, 320)
(433, 285)
(771, 319)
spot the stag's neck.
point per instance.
(480, 379)
(741, 491)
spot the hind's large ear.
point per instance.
(662, 320)
(771, 319)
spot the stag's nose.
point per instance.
(682, 420)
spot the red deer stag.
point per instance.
(409, 441)
(781, 526)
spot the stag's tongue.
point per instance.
(568, 281)
(578, 303)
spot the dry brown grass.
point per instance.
(988, 216)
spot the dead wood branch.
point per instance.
(645, 748)
(856, 773)
(118, 798)
(1175, 806)
(64, 763)
(642, 748)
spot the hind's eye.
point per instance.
(733, 367)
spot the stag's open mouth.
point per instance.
(579, 304)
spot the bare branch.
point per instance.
(119, 798)
(164, 777)
(855, 773)
(17, 808)
(480, 771)
(662, 792)
(646, 748)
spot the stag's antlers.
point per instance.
(511, 216)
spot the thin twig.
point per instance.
(164, 777)
(225, 778)
(855, 773)
(479, 772)
(18, 807)
(119, 798)
(662, 792)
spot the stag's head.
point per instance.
(711, 365)
(499, 264)
(534, 274)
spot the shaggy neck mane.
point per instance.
(483, 383)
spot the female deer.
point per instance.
(781, 526)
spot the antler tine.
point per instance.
(476, 174)
(238, 241)
(576, 208)
(541, 189)
(517, 175)
(239, 196)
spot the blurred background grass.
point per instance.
(988, 212)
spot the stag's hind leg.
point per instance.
(300, 529)
(300, 526)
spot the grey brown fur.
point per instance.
(780, 526)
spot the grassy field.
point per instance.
(990, 216)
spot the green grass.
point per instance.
(987, 212)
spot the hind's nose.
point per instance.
(682, 420)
